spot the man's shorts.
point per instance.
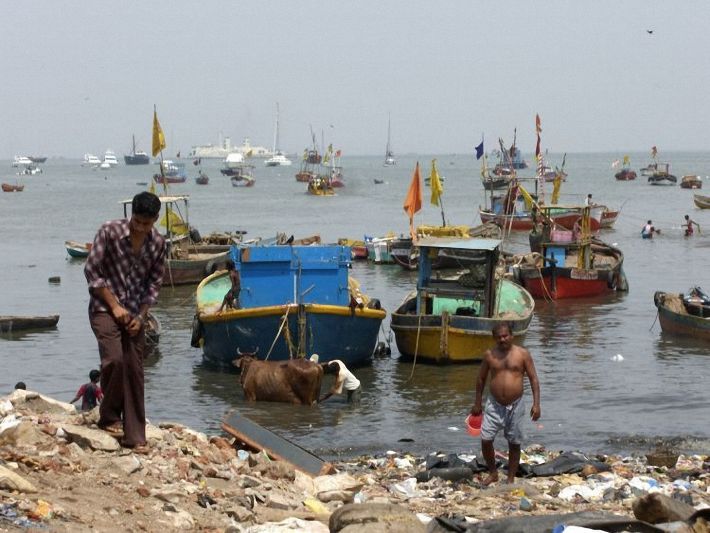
(509, 418)
(354, 396)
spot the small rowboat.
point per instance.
(152, 332)
(682, 315)
(703, 202)
(11, 324)
(77, 249)
(8, 187)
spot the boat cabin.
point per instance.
(471, 293)
(272, 275)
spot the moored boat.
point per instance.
(702, 202)
(449, 318)
(11, 324)
(136, 157)
(78, 249)
(625, 174)
(389, 154)
(9, 187)
(691, 182)
(202, 178)
(242, 181)
(662, 176)
(685, 315)
(320, 186)
(294, 301)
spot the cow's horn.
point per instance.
(239, 352)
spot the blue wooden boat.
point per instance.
(684, 315)
(294, 301)
(77, 249)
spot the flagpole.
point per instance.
(441, 205)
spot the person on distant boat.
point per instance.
(20, 385)
(90, 393)
(588, 202)
(344, 379)
(689, 223)
(231, 299)
(124, 272)
(648, 230)
(505, 408)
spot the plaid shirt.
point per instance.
(133, 280)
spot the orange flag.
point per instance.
(413, 201)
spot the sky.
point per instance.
(83, 76)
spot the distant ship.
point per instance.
(211, 151)
(37, 159)
(136, 158)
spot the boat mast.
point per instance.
(388, 149)
(276, 131)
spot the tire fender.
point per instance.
(197, 331)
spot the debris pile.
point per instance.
(59, 472)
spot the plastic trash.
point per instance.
(242, 455)
(402, 463)
(316, 506)
(449, 474)
(359, 498)
(405, 489)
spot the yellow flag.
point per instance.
(556, 188)
(626, 160)
(174, 222)
(435, 184)
(250, 153)
(526, 196)
(152, 187)
(305, 154)
(158, 137)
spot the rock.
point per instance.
(280, 500)
(168, 495)
(656, 508)
(338, 487)
(127, 464)
(288, 525)
(38, 403)
(662, 457)
(92, 438)
(248, 482)
(374, 517)
(11, 481)
(303, 484)
(22, 433)
(239, 513)
(181, 520)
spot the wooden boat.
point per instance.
(188, 261)
(78, 249)
(242, 181)
(565, 264)
(309, 164)
(157, 178)
(649, 169)
(202, 178)
(662, 175)
(153, 329)
(336, 177)
(378, 181)
(625, 174)
(686, 315)
(496, 182)
(379, 249)
(8, 187)
(702, 202)
(12, 324)
(320, 186)
(292, 305)
(358, 249)
(407, 256)
(609, 216)
(449, 318)
(691, 182)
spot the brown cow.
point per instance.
(292, 381)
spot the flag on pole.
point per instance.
(626, 160)
(413, 201)
(654, 152)
(557, 182)
(158, 137)
(435, 184)
(615, 163)
(479, 150)
(337, 154)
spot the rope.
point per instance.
(416, 348)
(278, 333)
(654, 320)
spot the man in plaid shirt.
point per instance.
(124, 271)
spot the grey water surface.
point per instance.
(591, 400)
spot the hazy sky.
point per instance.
(82, 76)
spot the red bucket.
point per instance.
(473, 424)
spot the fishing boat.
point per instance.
(570, 264)
(294, 301)
(309, 162)
(78, 249)
(691, 182)
(649, 169)
(449, 318)
(685, 315)
(12, 324)
(188, 260)
(379, 249)
(202, 178)
(90, 160)
(406, 255)
(169, 179)
(278, 159)
(389, 154)
(320, 186)
(37, 158)
(242, 181)
(662, 175)
(9, 187)
(136, 157)
(21, 161)
(625, 174)
(702, 202)
(153, 329)
(608, 217)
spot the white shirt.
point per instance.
(345, 378)
(588, 201)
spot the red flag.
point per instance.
(538, 128)
(337, 154)
(413, 201)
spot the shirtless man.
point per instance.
(508, 363)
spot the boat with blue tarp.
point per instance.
(449, 318)
(294, 301)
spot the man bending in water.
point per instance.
(505, 408)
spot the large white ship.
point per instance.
(224, 148)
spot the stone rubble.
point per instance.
(59, 472)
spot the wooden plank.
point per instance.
(260, 438)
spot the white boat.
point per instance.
(278, 159)
(110, 159)
(389, 154)
(21, 160)
(90, 160)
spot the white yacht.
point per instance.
(90, 160)
(110, 159)
(278, 159)
(21, 160)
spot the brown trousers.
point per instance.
(122, 379)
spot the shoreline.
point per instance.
(58, 472)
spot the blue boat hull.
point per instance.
(333, 332)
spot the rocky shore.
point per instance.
(59, 472)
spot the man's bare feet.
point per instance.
(490, 479)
